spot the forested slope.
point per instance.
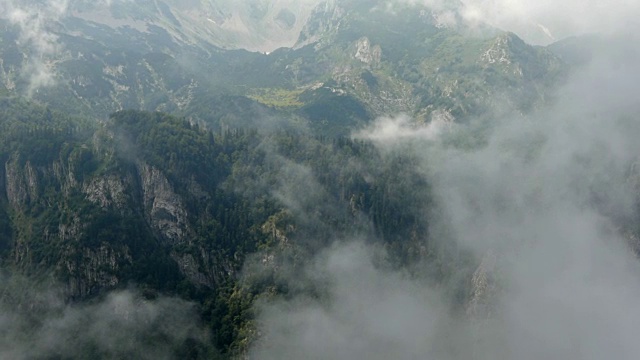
(156, 201)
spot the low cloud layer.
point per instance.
(547, 206)
(32, 19)
(563, 19)
(37, 323)
(542, 21)
(366, 314)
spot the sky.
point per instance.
(544, 21)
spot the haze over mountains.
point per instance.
(62, 56)
(319, 179)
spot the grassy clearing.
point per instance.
(279, 98)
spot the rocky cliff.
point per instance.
(94, 216)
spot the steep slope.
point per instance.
(353, 62)
(154, 201)
(100, 216)
(256, 168)
(256, 25)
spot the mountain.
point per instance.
(343, 57)
(256, 25)
(203, 150)
(156, 201)
(364, 47)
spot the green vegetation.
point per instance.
(253, 168)
(224, 181)
(279, 98)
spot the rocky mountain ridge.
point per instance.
(343, 57)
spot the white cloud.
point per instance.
(32, 20)
(36, 322)
(548, 203)
(542, 21)
(389, 130)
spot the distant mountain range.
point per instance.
(256, 25)
(355, 56)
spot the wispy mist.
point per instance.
(366, 313)
(36, 322)
(32, 19)
(547, 205)
(540, 22)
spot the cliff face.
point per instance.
(91, 270)
(166, 214)
(35, 197)
(164, 209)
(95, 219)
(107, 191)
(16, 182)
